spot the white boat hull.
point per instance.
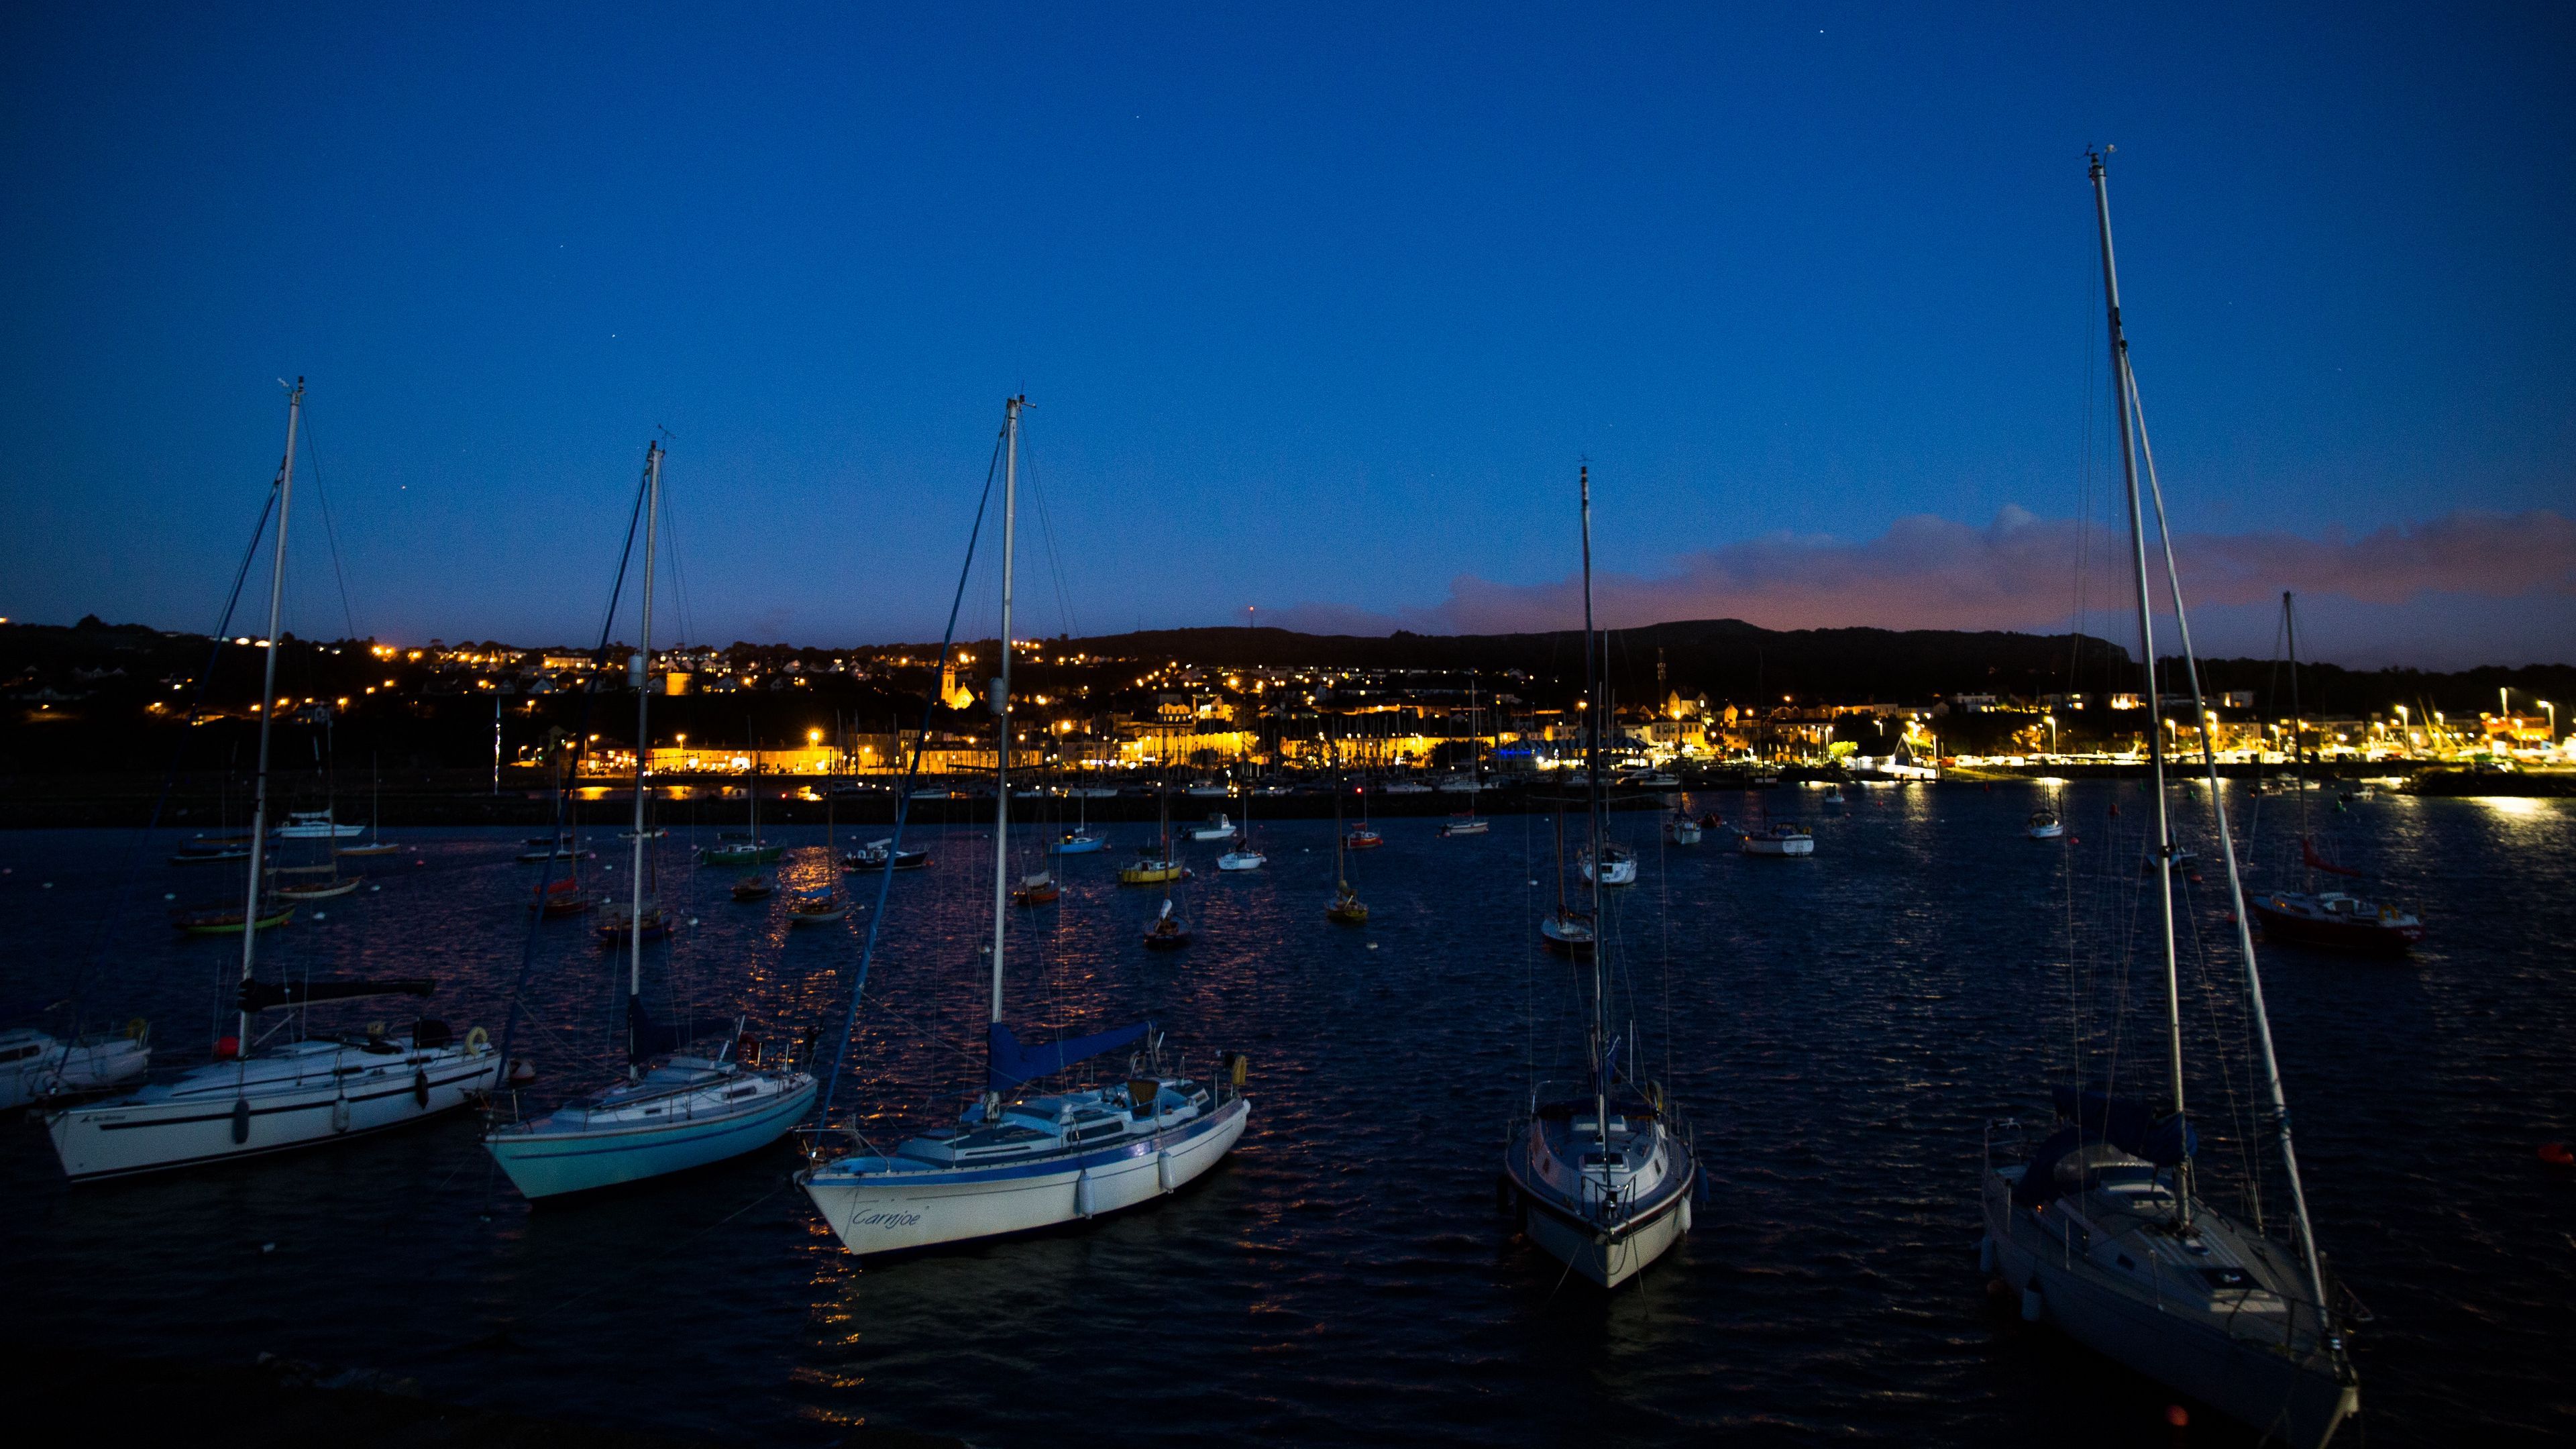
(902, 1210)
(550, 1164)
(1607, 1260)
(1763, 845)
(219, 1113)
(57, 1069)
(2295, 1400)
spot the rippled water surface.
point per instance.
(1839, 1029)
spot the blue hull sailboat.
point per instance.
(673, 1111)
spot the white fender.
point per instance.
(1084, 1194)
(340, 1114)
(1163, 1171)
(1686, 1212)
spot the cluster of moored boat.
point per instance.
(2098, 1223)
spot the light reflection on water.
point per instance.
(1840, 1028)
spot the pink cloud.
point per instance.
(2019, 571)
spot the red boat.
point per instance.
(2335, 921)
(563, 898)
(1363, 839)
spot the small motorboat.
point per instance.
(1152, 868)
(754, 888)
(1783, 838)
(881, 855)
(1466, 825)
(560, 848)
(1347, 908)
(1037, 890)
(1242, 858)
(1216, 827)
(1682, 830)
(2044, 825)
(1169, 932)
(315, 825)
(740, 852)
(229, 922)
(1567, 932)
(1363, 838)
(1833, 797)
(815, 905)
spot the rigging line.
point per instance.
(330, 531)
(1046, 533)
(912, 773)
(563, 798)
(2261, 1028)
(170, 775)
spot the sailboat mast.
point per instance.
(642, 673)
(1592, 786)
(2120, 388)
(268, 708)
(2298, 753)
(1001, 699)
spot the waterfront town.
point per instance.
(1223, 709)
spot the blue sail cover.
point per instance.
(2160, 1137)
(2093, 1115)
(1014, 1062)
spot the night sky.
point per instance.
(1317, 310)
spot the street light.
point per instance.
(2553, 722)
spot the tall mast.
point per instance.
(2120, 387)
(1592, 785)
(2298, 752)
(1001, 699)
(641, 671)
(267, 710)
(2260, 1018)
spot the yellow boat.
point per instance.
(1347, 908)
(1150, 871)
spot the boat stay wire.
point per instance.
(170, 774)
(578, 743)
(903, 796)
(330, 530)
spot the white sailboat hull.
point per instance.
(1606, 1259)
(2295, 1398)
(221, 1112)
(38, 1066)
(901, 1210)
(549, 1164)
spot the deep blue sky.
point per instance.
(1316, 308)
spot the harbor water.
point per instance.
(1838, 1029)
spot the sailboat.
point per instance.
(253, 1099)
(1599, 1176)
(749, 848)
(1245, 855)
(1016, 1161)
(37, 1066)
(1347, 908)
(2335, 920)
(1470, 823)
(2102, 1225)
(1566, 930)
(1155, 864)
(673, 1110)
(1079, 840)
(376, 842)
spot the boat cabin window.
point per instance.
(12, 1054)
